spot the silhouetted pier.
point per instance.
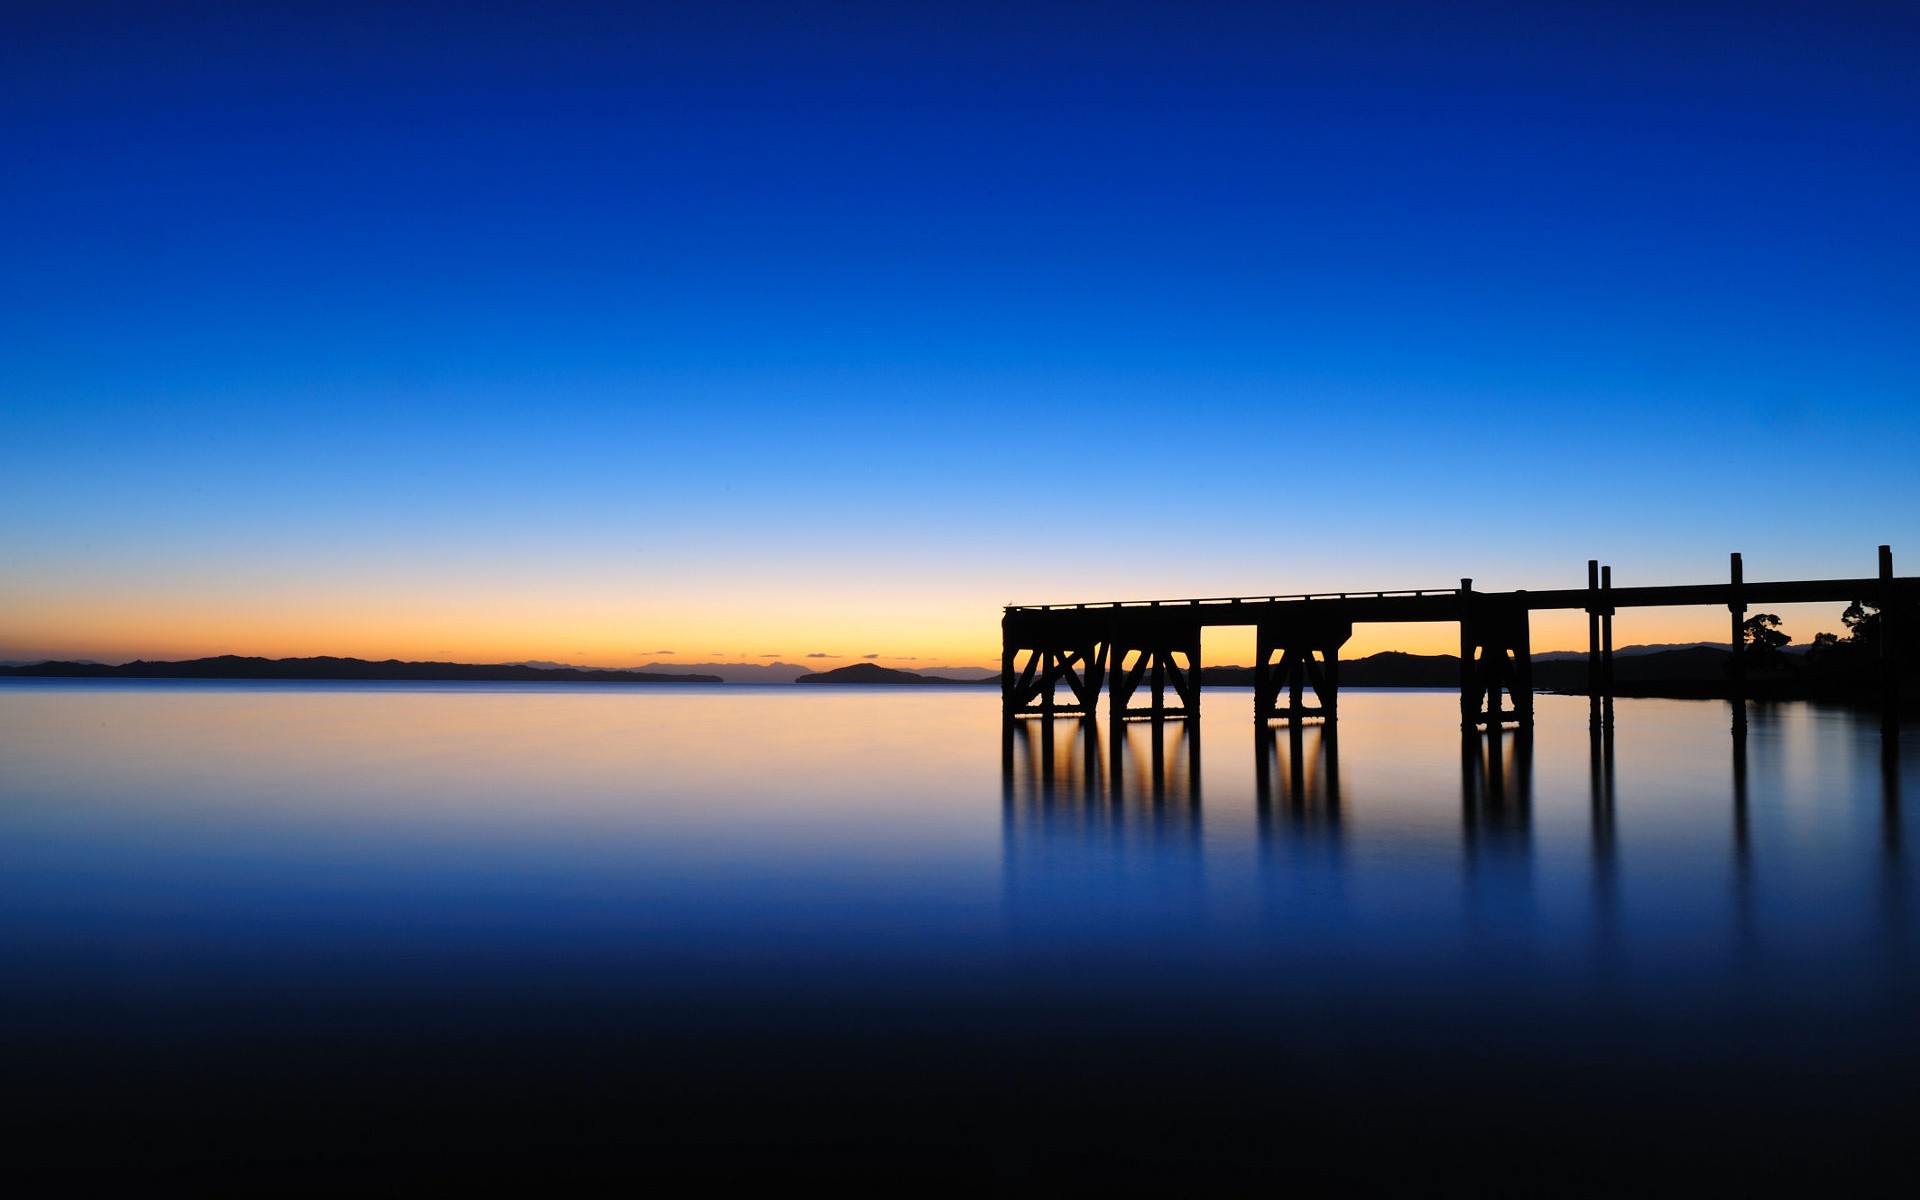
(1152, 647)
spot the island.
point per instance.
(873, 673)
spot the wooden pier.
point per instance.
(1126, 647)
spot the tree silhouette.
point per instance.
(1863, 623)
(1855, 658)
(1761, 634)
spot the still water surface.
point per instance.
(293, 918)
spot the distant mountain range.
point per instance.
(229, 666)
(773, 672)
(784, 672)
(1673, 669)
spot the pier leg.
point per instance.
(1309, 657)
(1495, 656)
(1163, 656)
(1159, 696)
(1041, 650)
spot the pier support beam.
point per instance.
(1161, 655)
(1309, 656)
(1496, 656)
(1036, 656)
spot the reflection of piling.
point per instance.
(1746, 927)
(1171, 770)
(1895, 922)
(1496, 802)
(1496, 781)
(1601, 787)
(1740, 794)
(1036, 760)
(1606, 899)
(1297, 768)
(1890, 795)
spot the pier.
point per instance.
(1145, 654)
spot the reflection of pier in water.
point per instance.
(1496, 783)
(1114, 843)
(1127, 766)
(1297, 775)
(1080, 771)
(1053, 765)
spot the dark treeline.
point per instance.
(1833, 664)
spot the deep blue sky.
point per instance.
(550, 330)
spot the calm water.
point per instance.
(300, 928)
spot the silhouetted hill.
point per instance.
(1692, 664)
(229, 666)
(874, 673)
(1226, 676)
(1620, 652)
(1394, 668)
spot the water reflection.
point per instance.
(1297, 772)
(1496, 784)
(1612, 866)
(1103, 842)
(1890, 794)
(1601, 794)
(1043, 758)
(1382, 925)
(1601, 803)
(1134, 764)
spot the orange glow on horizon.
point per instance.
(809, 639)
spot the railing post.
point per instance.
(1593, 639)
(1737, 664)
(1890, 633)
(1469, 701)
(1606, 647)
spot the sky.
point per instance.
(615, 334)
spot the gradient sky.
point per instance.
(592, 332)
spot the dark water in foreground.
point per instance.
(404, 934)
